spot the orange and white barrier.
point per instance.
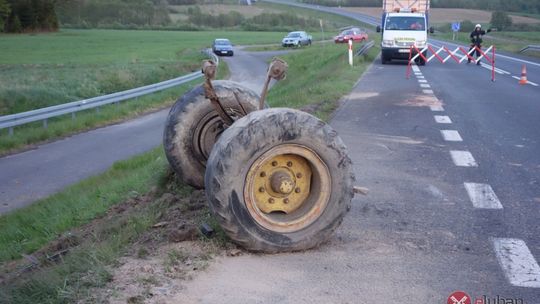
(415, 53)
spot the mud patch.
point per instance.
(359, 96)
(421, 101)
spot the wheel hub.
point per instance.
(284, 183)
(287, 188)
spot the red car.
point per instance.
(354, 33)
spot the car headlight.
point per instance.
(387, 42)
(421, 43)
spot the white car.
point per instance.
(298, 38)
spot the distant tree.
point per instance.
(500, 20)
(5, 11)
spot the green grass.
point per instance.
(27, 229)
(318, 76)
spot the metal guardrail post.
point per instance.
(530, 47)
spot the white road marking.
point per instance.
(497, 70)
(427, 91)
(425, 85)
(517, 262)
(436, 108)
(528, 82)
(442, 119)
(422, 80)
(415, 68)
(482, 196)
(463, 159)
(420, 77)
(451, 135)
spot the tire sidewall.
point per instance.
(281, 126)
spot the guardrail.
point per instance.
(530, 47)
(13, 120)
(365, 48)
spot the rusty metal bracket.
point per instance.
(209, 70)
(278, 71)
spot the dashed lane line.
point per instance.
(427, 91)
(442, 119)
(482, 196)
(528, 82)
(425, 85)
(436, 108)
(422, 81)
(517, 262)
(451, 135)
(463, 159)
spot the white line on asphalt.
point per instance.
(482, 196)
(500, 71)
(442, 119)
(425, 85)
(436, 108)
(517, 262)
(422, 80)
(463, 159)
(427, 91)
(420, 77)
(528, 82)
(418, 73)
(415, 68)
(451, 135)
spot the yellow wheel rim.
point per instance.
(287, 188)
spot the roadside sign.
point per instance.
(456, 26)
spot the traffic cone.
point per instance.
(523, 79)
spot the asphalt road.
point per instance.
(418, 236)
(29, 176)
(453, 164)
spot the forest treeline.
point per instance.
(46, 15)
(28, 15)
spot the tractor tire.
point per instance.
(279, 180)
(193, 126)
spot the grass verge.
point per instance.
(73, 241)
(318, 77)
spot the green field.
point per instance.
(47, 69)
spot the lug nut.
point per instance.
(289, 164)
(298, 175)
(271, 200)
(286, 201)
(261, 189)
(274, 163)
(263, 174)
(297, 190)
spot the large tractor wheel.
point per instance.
(193, 126)
(279, 180)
